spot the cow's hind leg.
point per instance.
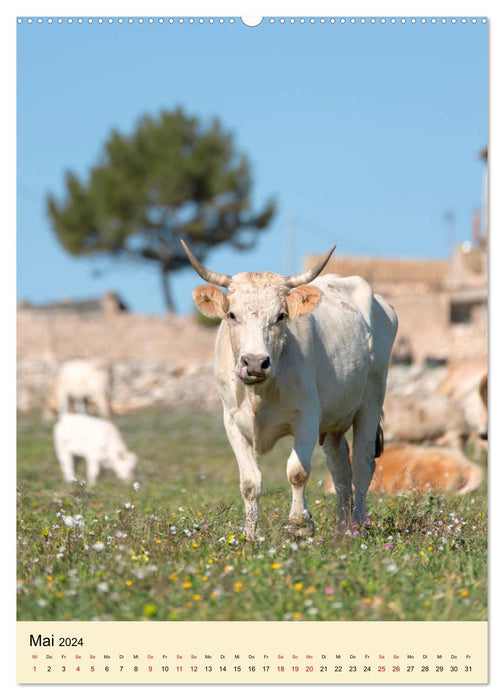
(337, 455)
(367, 444)
(103, 405)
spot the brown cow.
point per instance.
(411, 468)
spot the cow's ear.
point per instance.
(302, 300)
(211, 301)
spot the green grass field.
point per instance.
(171, 547)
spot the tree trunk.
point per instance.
(170, 305)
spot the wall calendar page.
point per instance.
(252, 349)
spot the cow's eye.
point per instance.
(232, 316)
(281, 316)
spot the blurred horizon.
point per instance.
(368, 136)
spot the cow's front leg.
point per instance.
(250, 476)
(67, 465)
(298, 472)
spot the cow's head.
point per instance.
(256, 309)
(125, 464)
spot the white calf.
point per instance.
(81, 381)
(98, 441)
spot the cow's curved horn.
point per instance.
(307, 277)
(205, 273)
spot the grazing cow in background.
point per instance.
(80, 383)
(98, 441)
(425, 418)
(302, 357)
(415, 469)
(465, 383)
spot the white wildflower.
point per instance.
(77, 521)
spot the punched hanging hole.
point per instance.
(252, 21)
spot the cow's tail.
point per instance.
(379, 442)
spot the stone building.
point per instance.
(109, 305)
(441, 304)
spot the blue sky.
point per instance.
(366, 135)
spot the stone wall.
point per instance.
(152, 358)
(176, 341)
(135, 384)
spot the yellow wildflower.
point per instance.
(149, 609)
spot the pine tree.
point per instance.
(170, 179)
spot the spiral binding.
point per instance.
(265, 20)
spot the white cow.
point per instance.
(425, 418)
(467, 383)
(300, 359)
(98, 441)
(81, 381)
